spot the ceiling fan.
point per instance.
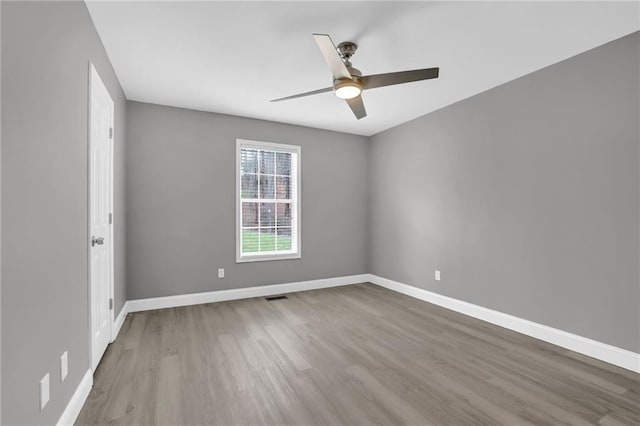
(348, 82)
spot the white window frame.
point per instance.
(296, 211)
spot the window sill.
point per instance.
(267, 257)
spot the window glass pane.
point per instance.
(283, 214)
(267, 239)
(267, 214)
(249, 214)
(249, 186)
(283, 163)
(267, 187)
(250, 240)
(283, 187)
(267, 162)
(284, 239)
(249, 160)
(268, 190)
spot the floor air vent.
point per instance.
(272, 298)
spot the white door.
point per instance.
(100, 238)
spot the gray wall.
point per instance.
(181, 167)
(46, 49)
(0, 215)
(525, 197)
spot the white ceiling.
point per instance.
(233, 57)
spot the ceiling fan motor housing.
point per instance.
(353, 81)
(346, 82)
(348, 88)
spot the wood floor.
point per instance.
(353, 355)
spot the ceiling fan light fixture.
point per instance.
(347, 89)
(348, 82)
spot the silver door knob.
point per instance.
(99, 241)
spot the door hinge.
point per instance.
(110, 304)
(110, 132)
(110, 218)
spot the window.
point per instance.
(268, 201)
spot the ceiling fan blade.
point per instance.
(389, 79)
(331, 56)
(300, 95)
(357, 106)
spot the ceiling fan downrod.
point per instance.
(347, 49)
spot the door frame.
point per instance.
(94, 78)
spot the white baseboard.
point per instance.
(70, 414)
(602, 351)
(240, 293)
(117, 323)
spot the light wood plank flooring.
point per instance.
(354, 355)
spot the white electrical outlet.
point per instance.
(437, 275)
(64, 366)
(221, 273)
(44, 391)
